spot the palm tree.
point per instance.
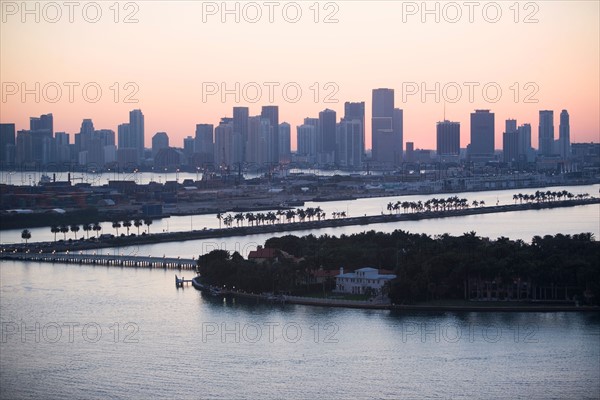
(148, 222)
(87, 228)
(219, 217)
(390, 206)
(75, 229)
(26, 235)
(250, 218)
(96, 228)
(137, 223)
(239, 217)
(127, 224)
(64, 229)
(116, 225)
(54, 229)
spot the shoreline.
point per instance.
(284, 228)
(269, 203)
(429, 308)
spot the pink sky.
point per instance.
(170, 54)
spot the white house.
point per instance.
(359, 281)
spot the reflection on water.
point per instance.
(135, 334)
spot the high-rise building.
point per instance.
(546, 133)
(188, 147)
(224, 144)
(564, 135)
(159, 141)
(307, 141)
(356, 111)
(204, 143)
(448, 138)
(510, 125)
(398, 127)
(271, 113)
(326, 136)
(124, 137)
(240, 128)
(43, 122)
(349, 144)
(285, 149)
(482, 135)
(260, 138)
(7, 144)
(410, 152)
(386, 128)
(510, 146)
(136, 129)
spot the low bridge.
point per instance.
(104, 259)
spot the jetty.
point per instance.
(105, 259)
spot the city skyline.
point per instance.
(261, 139)
(557, 67)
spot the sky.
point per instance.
(189, 62)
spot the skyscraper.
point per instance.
(448, 138)
(386, 128)
(240, 129)
(7, 144)
(510, 125)
(307, 140)
(510, 146)
(482, 135)
(525, 151)
(349, 144)
(546, 133)
(159, 141)
(356, 111)
(136, 129)
(285, 150)
(204, 143)
(43, 122)
(564, 135)
(326, 136)
(124, 138)
(271, 113)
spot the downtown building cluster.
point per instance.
(244, 140)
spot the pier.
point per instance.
(105, 259)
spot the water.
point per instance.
(573, 220)
(175, 343)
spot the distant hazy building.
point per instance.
(260, 138)
(306, 136)
(225, 144)
(386, 128)
(326, 136)
(481, 147)
(510, 125)
(204, 143)
(159, 141)
(526, 152)
(546, 133)
(354, 111)
(349, 149)
(136, 130)
(271, 113)
(188, 147)
(410, 150)
(564, 135)
(285, 149)
(7, 144)
(448, 139)
(240, 130)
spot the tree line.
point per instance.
(467, 267)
